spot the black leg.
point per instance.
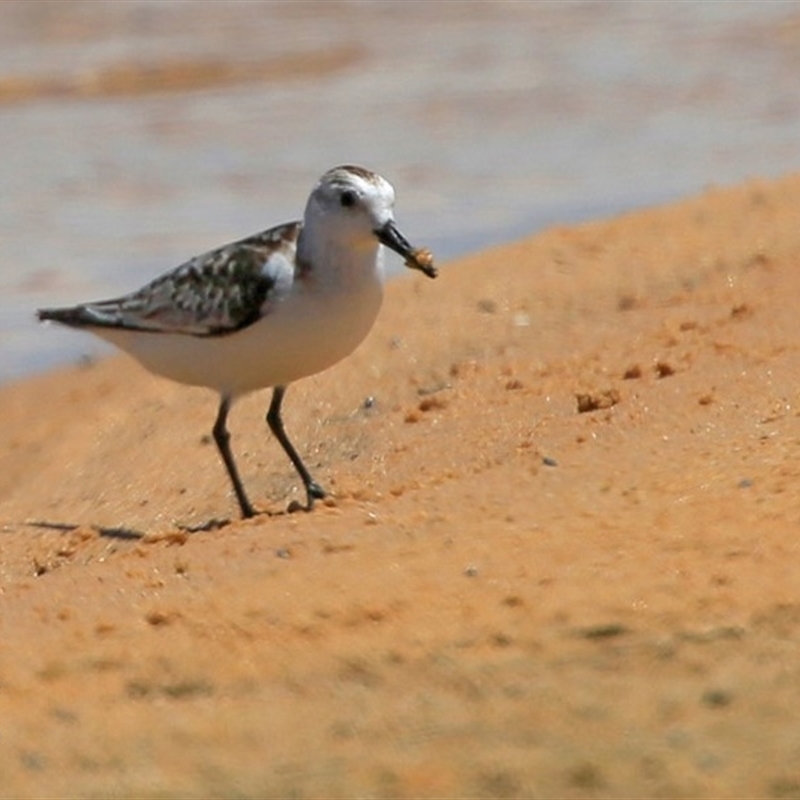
(222, 438)
(313, 490)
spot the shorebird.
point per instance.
(266, 310)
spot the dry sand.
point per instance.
(504, 597)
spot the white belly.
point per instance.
(303, 334)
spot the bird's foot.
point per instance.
(313, 492)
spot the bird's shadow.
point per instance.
(127, 534)
(121, 533)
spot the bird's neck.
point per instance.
(337, 261)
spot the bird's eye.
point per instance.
(348, 198)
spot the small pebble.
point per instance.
(605, 630)
(716, 698)
(521, 319)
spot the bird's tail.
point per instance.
(75, 316)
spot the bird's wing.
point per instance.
(213, 294)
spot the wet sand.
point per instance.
(559, 557)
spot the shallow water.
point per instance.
(138, 134)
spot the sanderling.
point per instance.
(266, 310)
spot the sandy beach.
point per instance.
(559, 558)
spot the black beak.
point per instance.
(415, 258)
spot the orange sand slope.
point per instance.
(560, 557)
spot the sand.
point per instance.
(559, 558)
